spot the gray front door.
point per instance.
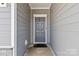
(39, 29)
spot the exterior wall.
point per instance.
(5, 31)
(23, 27)
(65, 29)
(41, 11)
(5, 25)
(6, 51)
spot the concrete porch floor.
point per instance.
(33, 51)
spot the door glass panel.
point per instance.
(39, 29)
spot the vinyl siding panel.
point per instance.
(5, 25)
(23, 27)
(5, 30)
(65, 28)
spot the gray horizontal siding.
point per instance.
(5, 30)
(5, 25)
(6, 51)
(65, 28)
(23, 27)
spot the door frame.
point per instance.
(40, 15)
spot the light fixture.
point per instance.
(3, 4)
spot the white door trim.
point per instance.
(40, 15)
(12, 26)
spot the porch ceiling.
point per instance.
(40, 5)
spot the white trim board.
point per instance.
(15, 30)
(41, 8)
(6, 47)
(12, 26)
(39, 15)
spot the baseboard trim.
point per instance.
(51, 50)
